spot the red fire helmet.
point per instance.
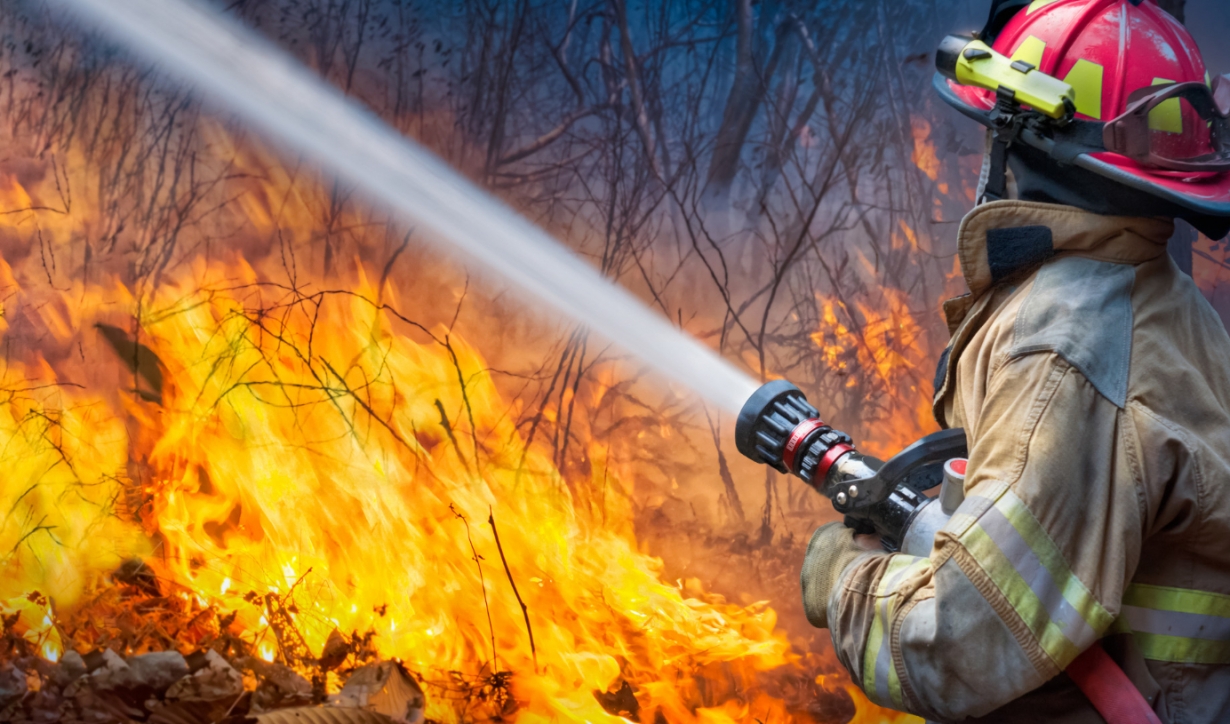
(1112, 52)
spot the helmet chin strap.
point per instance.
(1007, 121)
(996, 187)
(995, 179)
(981, 195)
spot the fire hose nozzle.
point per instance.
(778, 427)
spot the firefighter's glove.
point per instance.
(831, 550)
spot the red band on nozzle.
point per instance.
(796, 438)
(827, 462)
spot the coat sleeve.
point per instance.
(1029, 571)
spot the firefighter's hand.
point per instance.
(833, 547)
(868, 542)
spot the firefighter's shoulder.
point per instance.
(1081, 309)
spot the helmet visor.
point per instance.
(1175, 127)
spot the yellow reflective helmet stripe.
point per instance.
(1085, 76)
(1177, 624)
(880, 679)
(1015, 551)
(1030, 50)
(1036, 4)
(1168, 116)
(1086, 79)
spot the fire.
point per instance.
(924, 155)
(281, 464)
(1211, 269)
(339, 466)
(889, 346)
(311, 468)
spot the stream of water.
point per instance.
(269, 89)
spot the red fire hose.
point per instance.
(1109, 690)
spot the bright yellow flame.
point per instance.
(297, 464)
(315, 478)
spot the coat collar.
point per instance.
(998, 239)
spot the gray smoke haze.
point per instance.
(300, 112)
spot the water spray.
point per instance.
(266, 87)
(277, 94)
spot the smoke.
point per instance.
(275, 93)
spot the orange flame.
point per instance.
(888, 345)
(306, 461)
(924, 155)
(1211, 267)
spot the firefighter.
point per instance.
(1088, 568)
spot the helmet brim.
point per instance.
(1208, 196)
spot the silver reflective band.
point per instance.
(1176, 623)
(1050, 594)
(1179, 625)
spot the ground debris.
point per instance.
(72, 666)
(337, 648)
(386, 688)
(186, 713)
(313, 715)
(144, 673)
(13, 685)
(280, 686)
(204, 687)
(212, 679)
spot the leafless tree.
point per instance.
(742, 166)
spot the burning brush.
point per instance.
(166, 687)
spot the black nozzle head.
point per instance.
(949, 54)
(766, 420)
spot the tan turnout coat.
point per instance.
(1093, 380)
